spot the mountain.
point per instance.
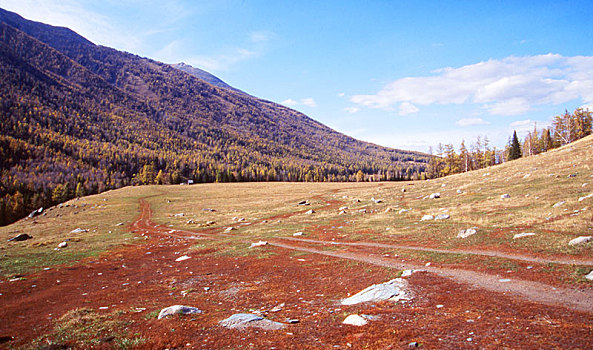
(83, 118)
(205, 76)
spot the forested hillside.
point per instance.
(78, 118)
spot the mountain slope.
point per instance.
(81, 118)
(205, 76)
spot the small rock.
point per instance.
(355, 320)
(190, 221)
(181, 258)
(442, 217)
(343, 208)
(585, 197)
(505, 196)
(179, 215)
(403, 190)
(36, 212)
(210, 222)
(178, 309)
(79, 230)
(20, 238)
(556, 205)
(292, 320)
(427, 217)
(303, 203)
(459, 191)
(377, 201)
(407, 273)
(435, 195)
(342, 212)
(589, 276)
(580, 240)
(309, 212)
(277, 308)
(401, 211)
(467, 232)
(387, 210)
(208, 210)
(119, 224)
(62, 245)
(393, 290)
(413, 344)
(242, 321)
(300, 233)
(524, 234)
(258, 244)
(229, 229)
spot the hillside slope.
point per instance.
(80, 118)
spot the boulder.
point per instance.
(393, 290)
(179, 310)
(355, 320)
(580, 240)
(589, 276)
(62, 245)
(435, 195)
(20, 238)
(242, 321)
(36, 212)
(523, 234)
(467, 232)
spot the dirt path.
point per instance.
(578, 300)
(562, 261)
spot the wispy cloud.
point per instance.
(406, 108)
(309, 102)
(511, 86)
(351, 110)
(471, 122)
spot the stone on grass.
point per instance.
(523, 234)
(459, 191)
(79, 230)
(393, 290)
(401, 211)
(178, 310)
(181, 258)
(242, 321)
(407, 273)
(585, 197)
(442, 217)
(505, 196)
(355, 320)
(300, 233)
(62, 245)
(303, 203)
(557, 204)
(435, 195)
(229, 229)
(258, 244)
(589, 276)
(343, 208)
(467, 232)
(580, 240)
(309, 212)
(36, 212)
(20, 238)
(427, 217)
(342, 212)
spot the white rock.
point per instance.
(258, 244)
(300, 233)
(467, 232)
(229, 229)
(79, 230)
(585, 197)
(355, 320)
(310, 212)
(407, 273)
(442, 217)
(505, 196)
(427, 217)
(178, 309)
(393, 290)
(580, 240)
(401, 211)
(242, 321)
(343, 208)
(589, 276)
(179, 215)
(556, 205)
(523, 234)
(62, 245)
(342, 212)
(435, 195)
(459, 191)
(181, 258)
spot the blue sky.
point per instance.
(405, 74)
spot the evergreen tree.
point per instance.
(515, 148)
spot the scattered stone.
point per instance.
(179, 215)
(413, 344)
(190, 221)
(427, 217)
(505, 196)
(210, 222)
(119, 224)
(208, 210)
(300, 233)
(79, 230)
(258, 244)
(435, 195)
(459, 191)
(181, 258)
(355, 320)
(242, 321)
(309, 212)
(377, 201)
(292, 321)
(343, 208)
(362, 210)
(277, 308)
(572, 175)
(178, 309)
(580, 240)
(388, 210)
(440, 306)
(62, 245)
(229, 229)
(524, 234)
(589, 276)
(442, 217)
(556, 205)
(304, 203)
(403, 190)
(407, 273)
(393, 290)
(36, 212)
(527, 175)
(342, 212)
(585, 184)
(444, 185)
(403, 211)
(20, 238)
(585, 197)
(467, 232)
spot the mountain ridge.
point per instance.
(84, 116)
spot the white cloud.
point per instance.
(341, 94)
(260, 36)
(309, 102)
(406, 108)
(471, 122)
(511, 86)
(223, 61)
(352, 110)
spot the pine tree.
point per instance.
(515, 148)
